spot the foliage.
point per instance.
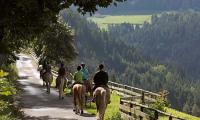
(116, 116)
(22, 21)
(160, 104)
(195, 110)
(8, 92)
(56, 44)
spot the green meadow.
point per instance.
(179, 114)
(104, 21)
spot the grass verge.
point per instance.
(179, 114)
(112, 109)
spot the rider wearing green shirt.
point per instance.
(78, 76)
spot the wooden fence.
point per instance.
(133, 91)
(134, 111)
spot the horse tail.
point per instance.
(75, 93)
(81, 96)
(103, 93)
(101, 103)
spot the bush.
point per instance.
(160, 104)
(116, 116)
(8, 92)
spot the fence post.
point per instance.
(131, 106)
(142, 98)
(170, 117)
(121, 101)
(142, 110)
(156, 115)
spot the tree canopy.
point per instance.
(21, 20)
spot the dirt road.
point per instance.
(37, 104)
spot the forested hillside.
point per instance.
(148, 6)
(170, 38)
(128, 66)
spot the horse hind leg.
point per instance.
(48, 87)
(61, 91)
(103, 104)
(75, 92)
(83, 100)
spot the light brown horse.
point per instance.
(100, 97)
(42, 71)
(47, 78)
(79, 91)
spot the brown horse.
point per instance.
(100, 96)
(47, 78)
(88, 85)
(61, 82)
(58, 80)
(79, 97)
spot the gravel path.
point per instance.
(37, 104)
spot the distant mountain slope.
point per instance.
(126, 65)
(148, 6)
(171, 38)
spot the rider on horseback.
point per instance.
(86, 78)
(46, 66)
(78, 85)
(78, 76)
(61, 73)
(101, 80)
(61, 81)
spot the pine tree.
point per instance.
(186, 108)
(195, 110)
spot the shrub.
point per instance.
(8, 91)
(116, 116)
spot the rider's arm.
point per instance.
(75, 77)
(95, 79)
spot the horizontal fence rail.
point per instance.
(133, 91)
(133, 110)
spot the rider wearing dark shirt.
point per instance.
(62, 71)
(101, 80)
